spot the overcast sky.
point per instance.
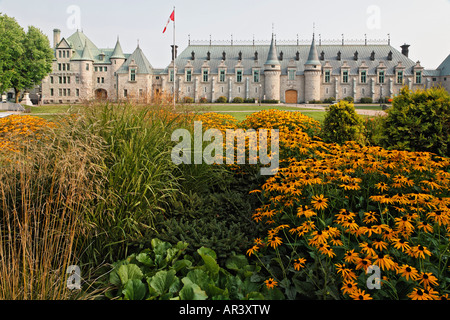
(425, 25)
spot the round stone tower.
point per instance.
(86, 73)
(272, 74)
(313, 71)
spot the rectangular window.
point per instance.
(171, 75)
(68, 80)
(222, 75)
(255, 75)
(291, 74)
(60, 80)
(60, 92)
(100, 69)
(239, 76)
(87, 66)
(64, 80)
(125, 93)
(133, 75)
(59, 66)
(65, 92)
(64, 54)
(78, 92)
(51, 92)
(400, 77)
(68, 92)
(205, 75)
(141, 92)
(51, 80)
(96, 69)
(418, 77)
(363, 76)
(98, 80)
(64, 66)
(188, 75)
(381, 76)
(60, 53)
(103, 80)
(68, 67)
(345, 76)
(327, 76)
(77, 79)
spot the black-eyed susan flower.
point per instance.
(274, 242)
(363, 263)
(425, 227)
(367, 248)
(408, 272)
(299, 263)
(401, 244)
(420, 252)
(360, 294)
(418, 294)
(379, 244)
(349, 286)
(252, 250)
(427, 279)
(350, 256)
(384, 261)
(346, 273)
(382, 186)
(271, 283)
(319, 202)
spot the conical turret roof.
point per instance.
(118, 52)
(313, 57)
(272, 57)
(87, 55)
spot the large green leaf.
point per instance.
(129, 272)
(192, 291)
(134, 290)
(209, 258)
(165, 281)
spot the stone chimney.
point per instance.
(56, 37)
(405, 49)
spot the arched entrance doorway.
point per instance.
(291, 96)
(101, 94)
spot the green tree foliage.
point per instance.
(26, 57)
(342, 124)
(419, 121)
(11, 49)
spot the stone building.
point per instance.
(289, 73)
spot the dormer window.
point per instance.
(418, 77)
(399, 77)
(132, 74)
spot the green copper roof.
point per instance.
(313, 57)
(272, 57)
(118, 52)
(86, 55)
(444, 67)
(143, 65)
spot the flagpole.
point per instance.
(174, 54)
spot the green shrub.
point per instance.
(238, 100)
(366, 100)
(419, 121)
(249, 100)
(349, 99)
(342, 124)
(315, 102)
(188, 100)
(203, 100)
(373, 130)
(164, 271)
(271, 101)
(329, 100)
(222, 99)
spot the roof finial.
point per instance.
(138, 43)
(314, 29)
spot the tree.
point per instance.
(11, 49)
(342, 124)
(419, 121)
(26, 58)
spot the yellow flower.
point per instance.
(299, 263)
(359, 294)
(271, 283)
(319, 202)
(252, 250)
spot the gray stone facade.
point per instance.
(289, 73)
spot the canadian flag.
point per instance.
(172, 18)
